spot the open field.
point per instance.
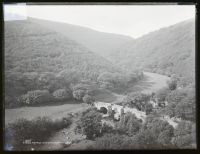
(103, 95)
(152, 82)
(54, 112)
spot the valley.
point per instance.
(152, 82)
(58, 71)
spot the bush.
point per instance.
(176, 95)
(10, 102)
(185, 135)
(106, 129)
(88, 99)
(128, 124)
(112, 141)
(61, 94)
(79, 94)
(162, 94)
(35, 97)
(37, 130)
(172, 84)
(137, 100)
(148, 108)
(90, 123)
(161, 130)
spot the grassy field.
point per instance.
(57, 110)
(54, 112)
(103, 95)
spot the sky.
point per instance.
(131, 20)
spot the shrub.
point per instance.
(35, 97)
(162, 94)
(107, 129)
(172, 84)
(112, 141)
(137, 100)
(161, 133)
(145, 140)
(185, 135)
(37, 130)
(10, 102)
(148, 108)
(176, 95)
(78, 94)
(88, 99)
(90, 123)
(128, 124)
(61, 94)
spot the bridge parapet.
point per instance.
(118, 108)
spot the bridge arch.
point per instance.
(103, 110)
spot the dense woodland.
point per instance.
(167, 51)
(42, 66)
(39, 61)
(99, 42)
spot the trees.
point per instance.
(35, 97)
(106, 80)
(38, 130)
(182, 103)
(185, 111)
(170, 109)
(138, 100)
(111, 141)
(176, 95)
(164, 138)
(61, 94)
(80, 90)
(106, 129)
(158, 131)
(78, 94)
(184, 135)
(128, 124)
(172, 84)
(88, 99)
(185, 81)
(148, 108)
(90, 123)
(145, 139)
(162, 93)
(111, 80)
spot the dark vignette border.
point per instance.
(109, 2)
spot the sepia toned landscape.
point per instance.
(70, 87)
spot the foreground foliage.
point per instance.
(36, 130)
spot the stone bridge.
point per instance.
(118, 110)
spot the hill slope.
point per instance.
(98, 42)
(40, 49)
(38, 58)
(170, 50)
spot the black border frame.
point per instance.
(109, 2)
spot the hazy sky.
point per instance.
(132, 20)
